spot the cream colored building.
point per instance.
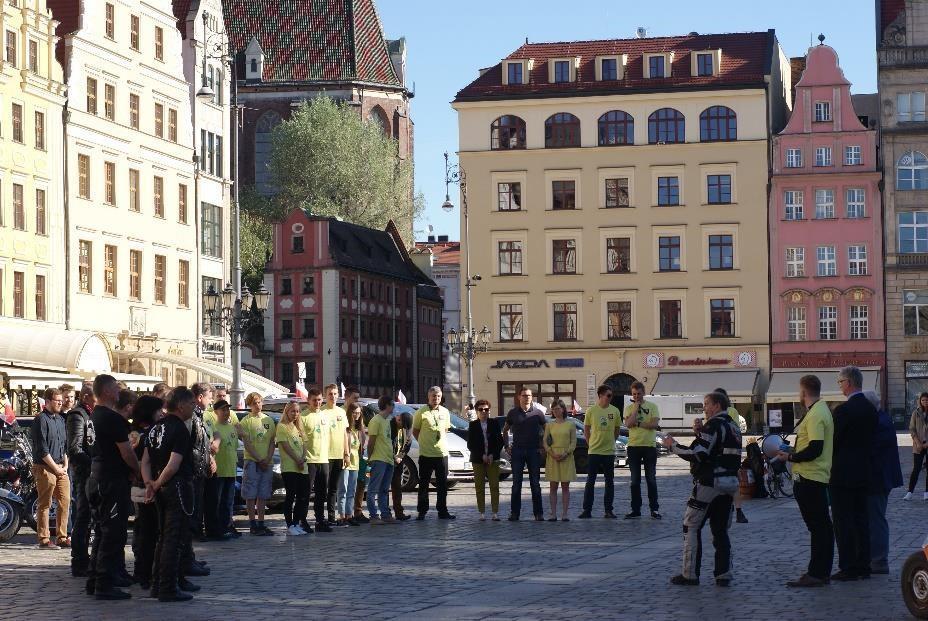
(617, 194)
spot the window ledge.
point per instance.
(831, 218)
(515, 275)
(665, 206)
(565, 274)
(721, 269)
(827, 276)
(671, 338)
(669, 272)
(511, 211)
(719, 204)
(631, 340)
(617, 273)
(618, 207)
(717, 338)
(793, 219)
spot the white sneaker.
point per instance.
(295, 531)
(908, 496)
(299, 530)
(483, 517)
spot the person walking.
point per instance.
(485, 443)
(80, 437)
(338, 448)
(256, 432)
(219, 494)
(380, 450)
(642, 419)
(430, 427)
(349, 479)
(714, 456)
(560, 441)
(855, 426)
(527, 424)
(293, 468)
(146, 412)
(316, 435)
(601, 427)
(812, 459)
(50, 471)
(401, 427)
(886, 475)
(918, 428)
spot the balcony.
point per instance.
(903, 56)
(915, 260)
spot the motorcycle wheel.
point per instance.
(915, 585)
(10, 520)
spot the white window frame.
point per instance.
(668, 231)
(499, 263)
(500, 236)
(822, 113)
(671, 171)
(853, 156)
(670, 295)
(518, 176)
(823, 157)
(617, 173)
(795, 262)
(859, 318)
(796, 326)
(610, 232)
(827, 323)
(793, 210)
(825, 204)
(719, 294)
(620, 61)
(499, 300)
(668, 65)
(857, 260)
(571, 297)
(855, 201)
(826, 263)
(794, 157)
(557, 234)
(617, 296)
(910, 107)
(920, 231)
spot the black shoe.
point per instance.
(194, 569)
(539, 518)
(90, 587)
(656, 515)
(112, 594)
(681, 580)
(420, 517)
(806, 581)
(122, 582)
(402, 517)
(513, 518)
(844, 576)
(353, 522)
(723, 582)
(222, 537)
(306, 527)
(609, 515)
(552, 519)
(446, 516)
(234, 534)
(254, 530)
(323, 527)
(865, 576)
(361, 518)
(185, 585)
(177, 596)
(740, 517)
(632, 515)
(203, 564)
(79, 573)
(585, 515)
(266, 532)
(145, 585)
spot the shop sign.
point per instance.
(521, 364)
(213, 347)
(568, 363)
(919, 347)
(812, 361)
(676, 361)
(916, 369)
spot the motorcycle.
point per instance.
(915, 583)
(18, 493)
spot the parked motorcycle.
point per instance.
(915, 583)
(18, 493)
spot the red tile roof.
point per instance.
(313, 40)
(443, 253)
(181, 10)
(746, 59)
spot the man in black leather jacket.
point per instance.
(79, 435)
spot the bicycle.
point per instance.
(778, 478)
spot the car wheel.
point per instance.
(504, 475)
(580, 461)
(915, 585)
(410, 476)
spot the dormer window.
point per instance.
(561, 71)
(704, 65)
(822, 111)
(254, 60)
(610, 67)
(514, 73)
(657, 65)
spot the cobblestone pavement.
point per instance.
(467, 569)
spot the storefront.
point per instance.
(783, 407)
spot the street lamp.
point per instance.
(234, 314)
(466, 343)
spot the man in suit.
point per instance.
(855, 426)
(485, 442)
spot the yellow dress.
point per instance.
(560, 438)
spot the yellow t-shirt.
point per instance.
(817, 424)
(289, 435)
(379, 429)
(602, 423)
(338, 422)
(647, 412)
(258, 430)
(316, 436)
(227, 454)
(433, 426)
(354, 449)
(209, 422)
(737, 418)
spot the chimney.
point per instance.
(442, 238)
(431, 239)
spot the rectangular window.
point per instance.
(158, 196)
(19, 295)
(134, 204)
(794, 158)
(617, 192)
(561, 71)
(719, 189)
(795, 262)
(159, 43)
(510, 258)
(17, 123)
(515, 73)
(182, 203)
(619, 321)
(203, 164)
(792, 201)
(910, 107)
(91, 96)
(161, 268)
(722, 317)
(40, 131)
(286, 373)
(509, 196)
(211, 152)
(109, 270)
(134, 110)
(860, 322)
(618, 255)
(915, 312)
(309, 328)
(11, 47)
(109, 177)
(857, 260)
(83, 176)
(913, 231)
(85, 267)
(823, 156)
(19, 208)
(219, 163)
(134, 27)
(669, 253)
(564, 255)
(210, 327)
(40, 297)
(41, 217)
(109, 101)
(183, 277)
(824, 204)
(828, 323)
(564, 194)
(609, 69)
(309, 285)
(565, 321)
(286, 329)
(827, 264)
(855, 203)
(822, 111)
(721, 252)
(668, 191)
(671, 319)
(172, 125)
(135, 274)
(159, 120)
(656, 66)
(296, 244)
(211, 230)
(796, 323)
(704, 64)
(33, 56)
(110, 21)
(852, 156)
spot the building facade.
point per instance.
(826, 288)
(349, 303)
(902, 47)
(619, 191)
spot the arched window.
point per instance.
(666, 126)
(616, 127)
(507, 132)
(379, 117)
(912, 171)
(263, 130)
(562, 130)
(717, 124)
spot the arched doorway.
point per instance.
(621, 385)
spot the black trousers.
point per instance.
(174, 504)
(335, 474)
(427, 467)
(606, 465)
(109, 508)
(918, 460)
(812, 498)
(80, 528)
(852, 528)
(318, 485)
(196, 520)
(194, 515)
(144, 540)
(296, 502)
(646, 456)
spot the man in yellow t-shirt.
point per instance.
(812, 472)
(317, 434)
(430, 427)
(380, 456)
(219, 495)
(257, 434)
(642, 419)
(601, 425)
(338, 447)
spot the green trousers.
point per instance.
(482, 472)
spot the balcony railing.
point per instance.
(912, 260)
(902, 56)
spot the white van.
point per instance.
(677, 412)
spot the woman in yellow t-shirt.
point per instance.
(348, 481)
(293, 470)
(560, 441)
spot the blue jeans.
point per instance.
(647, 456)
(879, 530)
(594, 464)
(522, 457)
(346, 487)
(378, 489)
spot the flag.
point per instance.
(341, 390)
(301, 390)
(9, 416)
(41, 403)
(576, 407)
(401, 398)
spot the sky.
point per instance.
(447, 42)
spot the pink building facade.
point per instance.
(825, 230)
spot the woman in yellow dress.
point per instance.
(560, 441)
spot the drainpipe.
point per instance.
(65, 114)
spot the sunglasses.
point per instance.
(483, 409)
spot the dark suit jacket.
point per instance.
(855, 428)
(475, 442)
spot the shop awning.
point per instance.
(138, 383)
(740, 383)
(784, 383)
(41, 346)
(16, 378)
(217, 372)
